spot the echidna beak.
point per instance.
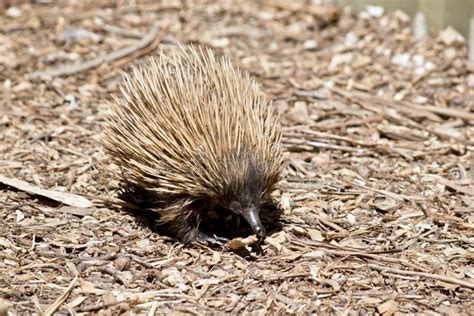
(251, 216)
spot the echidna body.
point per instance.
(197, 134)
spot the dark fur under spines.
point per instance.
(195, 133)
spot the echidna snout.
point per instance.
(251, 216)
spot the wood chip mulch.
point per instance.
(377, 198)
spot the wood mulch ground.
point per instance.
(377, 198)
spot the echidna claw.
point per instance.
(223, 240)
(202, 238)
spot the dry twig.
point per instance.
(60, 300)
(63, 197)
(424, 275)
(152, 39)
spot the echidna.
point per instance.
(197, 134)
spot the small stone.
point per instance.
(402, 59)
(13, 12)
(310, 45)
(450, 36)
(375, 11)
(350, 39)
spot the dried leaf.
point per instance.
(88, 287)
(238, 243)
(315, 234)
(388, 308)
(4, 307)
(122, 263)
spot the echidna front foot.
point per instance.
(203, 238)
(186, 229)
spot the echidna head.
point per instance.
(245, 194)
(251, 214)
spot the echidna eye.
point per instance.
(235, 206)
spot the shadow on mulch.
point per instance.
(219, 222)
